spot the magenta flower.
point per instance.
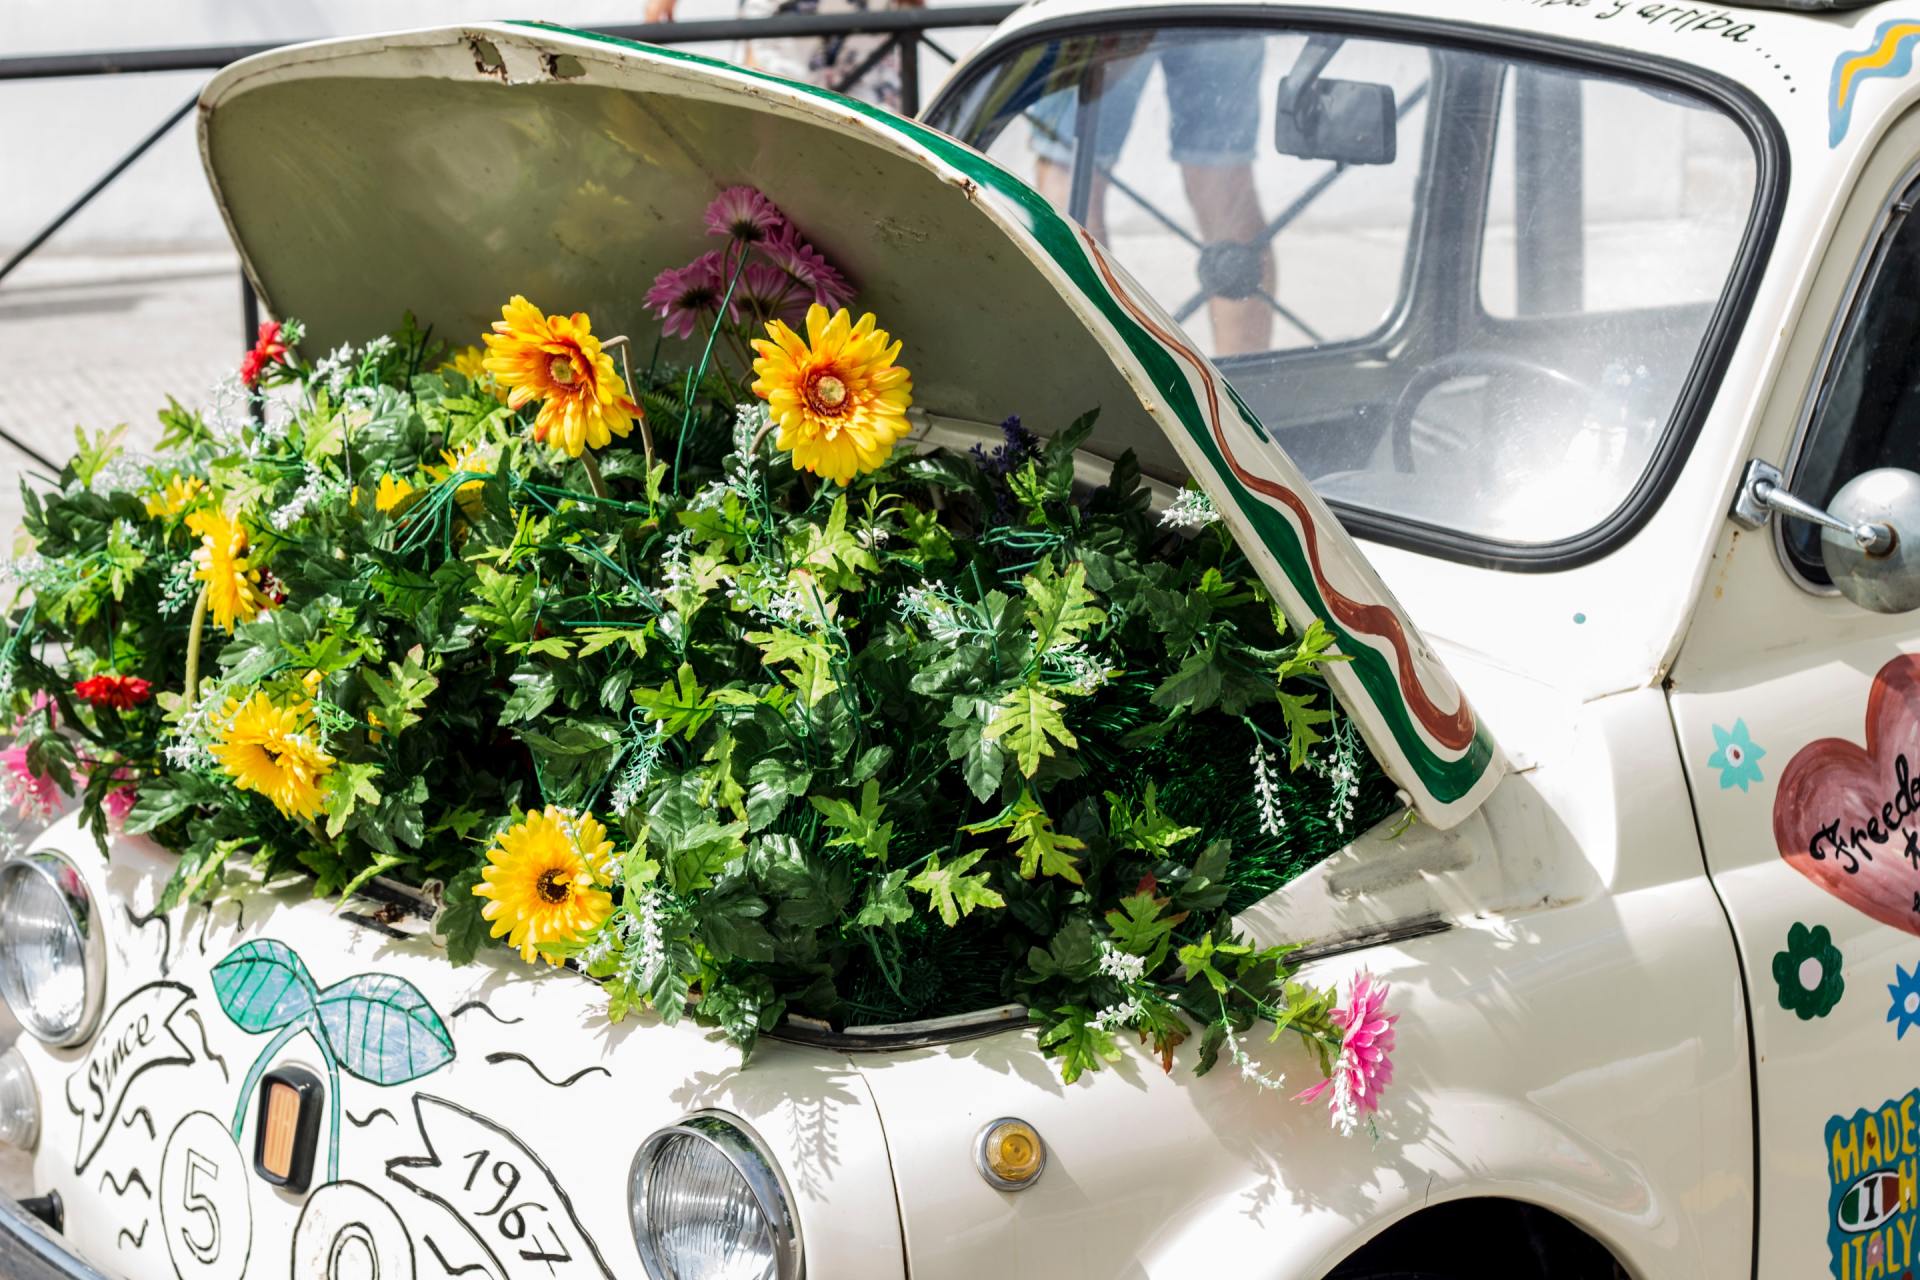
(765, 293)
(35, 795)
(118, 803)
(744, 214)
(809, 268)
(1365, 1065)
(685, 296)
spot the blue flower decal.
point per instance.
(1738, 758)
(1906, 1000)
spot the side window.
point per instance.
(1610, 197)
(1868, 411)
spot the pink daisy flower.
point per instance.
(744, 214)
(804, 263)
(685, 296)
(34, 795)
(767, 293)
(1365, 1065)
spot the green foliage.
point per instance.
(959, 734)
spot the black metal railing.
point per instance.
(906, 31)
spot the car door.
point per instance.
(1798, 715)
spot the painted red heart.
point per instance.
(1849, 819)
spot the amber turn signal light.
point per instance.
(287, 1127)
(1010, 1154)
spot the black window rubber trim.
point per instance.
(1704, 381)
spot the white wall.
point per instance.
(58, 136)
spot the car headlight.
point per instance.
(708, 1204)
(19, 1101)
(53, 954)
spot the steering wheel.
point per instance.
(1465, 364)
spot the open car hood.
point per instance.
(444, 170)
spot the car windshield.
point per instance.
(1463, 289)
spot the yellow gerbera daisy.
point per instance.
(469, 363)
(272, 750)
(220, 561)
(178, 494)
(838, 399)
(473, 458)
(542, 880)
(393, 491)
(557, 361)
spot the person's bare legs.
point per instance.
(1227, 208)
(1055, 181)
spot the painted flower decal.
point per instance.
(1738, 756)
(1905, 1010)
(1808, 972)
(837, 396)
(542, 881)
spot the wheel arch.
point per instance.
(1512, 1238)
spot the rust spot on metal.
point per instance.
(486, 58)
(562, 66)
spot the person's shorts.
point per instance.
(1213, 102)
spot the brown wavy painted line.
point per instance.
(1451, 730)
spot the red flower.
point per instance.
(122, 693)
(272, 588)
(266, 349)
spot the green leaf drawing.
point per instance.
(262, 985)
(383, 1030)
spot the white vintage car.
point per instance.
(1580, 333)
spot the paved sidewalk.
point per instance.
(101, 340)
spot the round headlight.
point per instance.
(19, 1101)
(708, 1204)
(53, 960)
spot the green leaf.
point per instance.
(383, 1030)
(1141, 926)
(1078, 1044)
(380, 866)
(690, 845)
(1042, 850)
(1311, 653)
(503, 604)
(1060, 608)
(262, 985)
(461, 924)
(953, 893)
(1029, 717)
(1301, 717)
(886, 902)
(349, 786)
(402, 695)
(810, 660)
(771, 783)
(859, 828)
(533, 692)
(680, 709)
(1198, 958)
(1148, 831)
(598, 638)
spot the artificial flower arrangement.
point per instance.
(693, 680)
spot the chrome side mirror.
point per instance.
(1869, 536)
